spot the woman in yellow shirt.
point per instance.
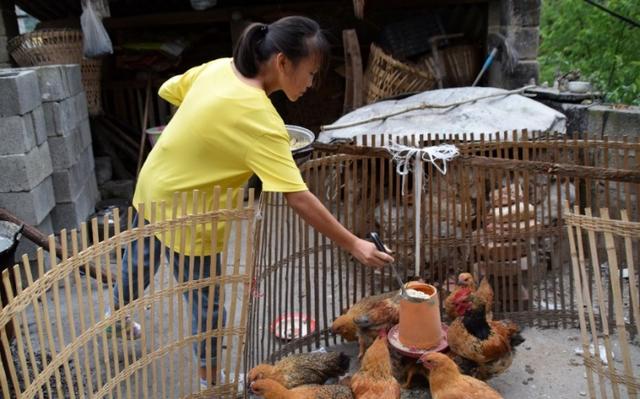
(226, 129)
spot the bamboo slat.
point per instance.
(62, 347)
(615, 327)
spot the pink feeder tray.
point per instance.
(293, 326)
(394, 340)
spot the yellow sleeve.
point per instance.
(269, 156)
(175, 89)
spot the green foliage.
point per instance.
(606, 50)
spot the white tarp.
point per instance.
(489, 115)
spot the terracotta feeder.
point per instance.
(420, 326)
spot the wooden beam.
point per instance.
(220, 14)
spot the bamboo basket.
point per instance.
(602, 248)
(91, 70)
(387, 77)
(60, 46)
(61, 347)
(462, 64)
(47, 47)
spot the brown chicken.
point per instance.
(465, 283)
(446, 382)
(270, 389)
(367, 317)
(375, 378)
(488, 344)
(302, 369)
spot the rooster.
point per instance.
(302, 369)
(270, 389)
(375, 378)
(367, 317)
(446, 382)
(488, 344)
(466, 283)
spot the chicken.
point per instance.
(302, 369)
(270, 389)
(375, 378)
(446, 382)
(466, 282)
(489, 344)
(367, 317)
(345, 326)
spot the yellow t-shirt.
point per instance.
(224, 130)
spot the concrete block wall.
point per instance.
(69, 136)
(46, 157)
(519, 22)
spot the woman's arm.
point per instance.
(313, 212)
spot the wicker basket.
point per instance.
(47, 47)
(387, 77)
(462, 64)
(91, 69)
(59, 46)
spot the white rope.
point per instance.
(404, 156)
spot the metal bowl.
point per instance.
(579, 86)
(301, 138)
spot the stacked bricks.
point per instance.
(69, 135)
(46, 157)
(26, 182)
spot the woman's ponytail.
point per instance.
(248, 55)
(295, 36)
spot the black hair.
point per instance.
(296, 37)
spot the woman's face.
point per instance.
(295, 79)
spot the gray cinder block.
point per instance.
(63, 116)
(23, 172)
(68, 182)
(31, 206)
(69, 215)
(66, 149)
(20, 92)
(37, 122)
(58, 82)
(17, 135)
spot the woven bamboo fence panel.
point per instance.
(497, 212)
(62, 348)
(605, 252)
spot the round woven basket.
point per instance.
(387, 77)
(60, 46)
(47, 47)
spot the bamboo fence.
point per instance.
(497, 212)
(61, 347)
(602, 249)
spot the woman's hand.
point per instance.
(313, 212)
(367, 253)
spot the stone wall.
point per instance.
(519, 22)
(46, 157)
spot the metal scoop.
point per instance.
(378, 243)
